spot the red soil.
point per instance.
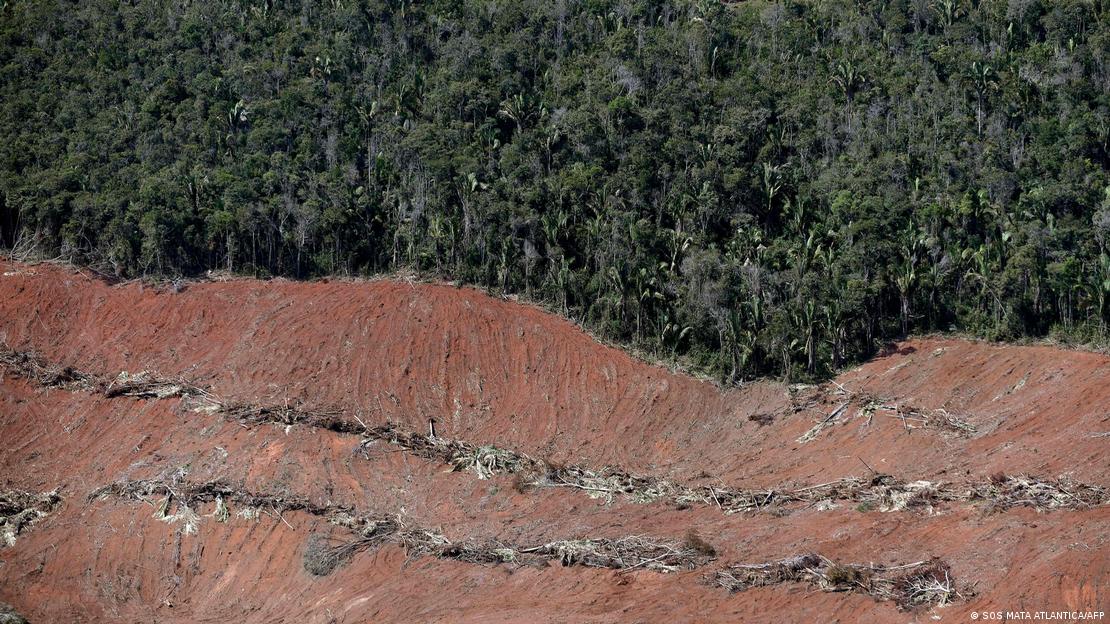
(497, 372)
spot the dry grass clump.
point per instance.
(762, 419)
(322, 556)
(910, 586)
(19, 510)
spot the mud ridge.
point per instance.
(880, 492)
(910, 586)
(322, 555)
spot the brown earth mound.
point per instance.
(259, 451)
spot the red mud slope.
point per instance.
(497, 372)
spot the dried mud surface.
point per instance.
(494, 372)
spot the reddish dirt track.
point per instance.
(497, 372)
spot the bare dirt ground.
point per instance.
(567, 482)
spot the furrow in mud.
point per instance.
(878, 491)
(926, 582)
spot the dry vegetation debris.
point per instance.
(1003, 491)
(143, 385)
(910, 586)
(19, 510)
(867, 406)
(8, 615)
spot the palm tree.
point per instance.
(849, 79)
(836, 322)
(1101, 289)
(810, 321)
(983, 77)
(771, 185)
(905, 277)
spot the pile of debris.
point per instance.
(323, 555)
(8, 615)
(910, 586)
(868, 405)
(626, 553)
(29, 366)
(146, 385)
(608, 483)
(1003, 491)
(287, 415)
(190, 493)
(486, 461)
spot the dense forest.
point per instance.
(752, 188)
